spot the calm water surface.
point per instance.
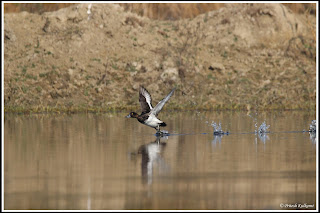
(105, 161)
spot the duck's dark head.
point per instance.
(132, 115)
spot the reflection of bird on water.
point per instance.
(313, 137)
(216, 139)
(151, 154)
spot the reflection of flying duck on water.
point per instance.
(151, 155)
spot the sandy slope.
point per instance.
(242, 56)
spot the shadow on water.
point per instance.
(88, 161)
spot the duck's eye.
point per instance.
(131, 113)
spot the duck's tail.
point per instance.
(163, 124)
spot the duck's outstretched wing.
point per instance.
(159, 106)
(145, 100)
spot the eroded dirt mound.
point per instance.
(241, 56)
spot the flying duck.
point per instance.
(149, 114)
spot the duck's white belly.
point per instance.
(152, 121)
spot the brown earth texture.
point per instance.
(93, 57)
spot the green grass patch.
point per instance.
(24, 70)
(43, 75)
(209, 76)
(38, 88)
(96, 59)
(30, 76)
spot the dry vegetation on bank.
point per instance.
(248, 56)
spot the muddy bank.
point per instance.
(248, 56)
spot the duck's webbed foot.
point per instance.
(159, 132)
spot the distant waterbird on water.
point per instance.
(313, 126)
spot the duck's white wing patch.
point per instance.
(159, 106)
(147, 99)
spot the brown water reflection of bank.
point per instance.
(88, 161)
